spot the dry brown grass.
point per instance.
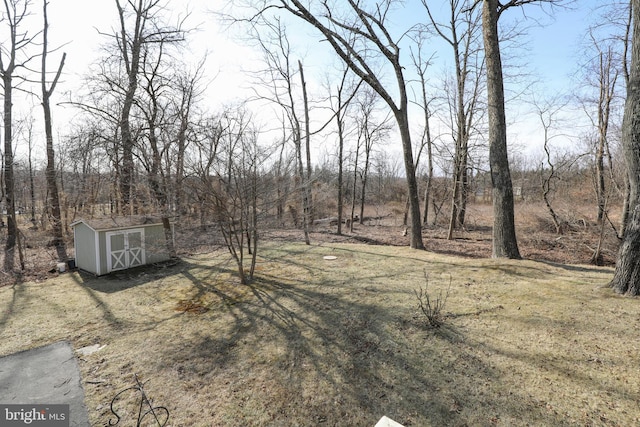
(342, 342)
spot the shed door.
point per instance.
(125, 249)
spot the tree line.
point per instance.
(145, 142)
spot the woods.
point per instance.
(387, 124)
(322, 212)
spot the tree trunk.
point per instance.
(505, 244)
(52, 186)
(340, 170)
(354, 187)
(600, 186)
(461, 137)
(130, 49)
(32, 186)
(305, 179)
(9, 182)
(189, 95)
(365, 175)
(307, 143)
(546, 184)
(2, 192)
(168, 235)
(608, 77)
(625, 205)
(463, 197)
(412, 183)
(302, 183)
(429, 143)
(453, 217)
(182, 144)
(626, 277)
(280, 179)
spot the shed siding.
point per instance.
(155, 244)
(91, 245)
(102, 252)
(85, 248)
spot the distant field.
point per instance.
(342, 342)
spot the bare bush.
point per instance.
(432, 307)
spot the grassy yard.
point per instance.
(342, 342)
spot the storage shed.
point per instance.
(109, 244)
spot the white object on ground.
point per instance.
(90, 349)
(387, 422)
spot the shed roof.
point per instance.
(119, 222)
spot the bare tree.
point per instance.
(98, 125)
(626, 24)
(462, 33)
(548, 112)
(280, 79)
(140, 26)
(607, 63)
(155, 110)
(167, 101)
(372, 131)
(52, 185)
(626, 278)
(426, 141)
(505, 243)
(601, 75)
(230, 188)
(307, 194)
(340, 101)
(282, 171)
(32, 187)
(13, 56)
(360, 37)
(341, 111)
(203, 164)
(86, 160)
(188, 86)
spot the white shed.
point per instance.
(109, 244)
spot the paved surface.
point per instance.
(45, 375)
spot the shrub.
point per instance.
(432, 307)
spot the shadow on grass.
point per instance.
(342, 360)
(129, 278)
(573, 268)
(307, 350)
(91, 286)
(336, 350)
(568, 369)
(99, 288)
(17, 293)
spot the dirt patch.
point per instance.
(537, 238)
(194, 307)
